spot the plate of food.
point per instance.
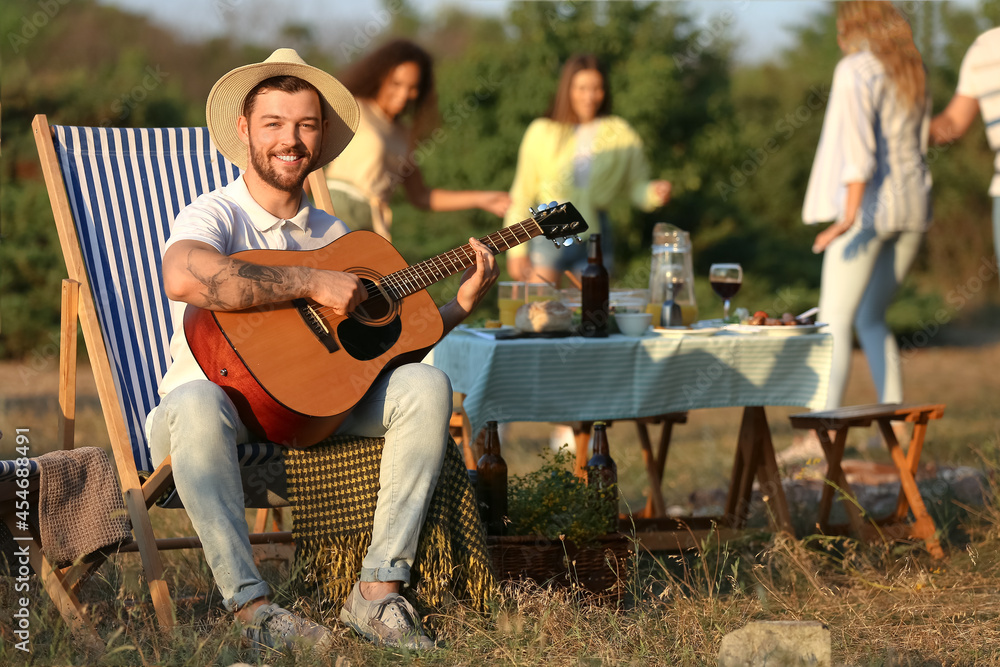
(687, 331)
(496, 331)
(511, 334)
(786, 325)
(775, 329)
(543, 319)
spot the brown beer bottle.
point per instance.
(594, 292)
(491, 483)
(602, 472)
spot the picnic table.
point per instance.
(579, 380)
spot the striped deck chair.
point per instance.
(114, 193)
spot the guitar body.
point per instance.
(294, 371)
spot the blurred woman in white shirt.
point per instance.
(870, 178)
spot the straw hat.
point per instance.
(225, 105)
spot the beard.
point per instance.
(285, 181)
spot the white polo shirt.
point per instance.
(230, 220)
(979, 78)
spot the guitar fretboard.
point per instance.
(414, 278)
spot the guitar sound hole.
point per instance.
(372, 328)
(373, 309)
(366, 342)
(376, 309)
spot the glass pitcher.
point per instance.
(671, 277)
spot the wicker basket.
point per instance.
(600, 568)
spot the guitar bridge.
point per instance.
(316, 324)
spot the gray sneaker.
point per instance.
(279, 629)
(391, 621)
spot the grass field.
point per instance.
(884, 604)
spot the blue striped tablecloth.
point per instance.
(583, 379)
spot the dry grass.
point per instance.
(882, 608)
(884, 605)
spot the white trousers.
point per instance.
(862, 269)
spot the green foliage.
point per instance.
(32, 269)
(736, 141)
(554, 503)
(83, 64)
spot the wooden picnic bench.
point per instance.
(840, 421)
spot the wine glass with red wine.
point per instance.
(726, 280)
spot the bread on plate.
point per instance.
(542, 316)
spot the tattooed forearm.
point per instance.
(262, 274)
(267, 284)
(234, 284)
(212, 283)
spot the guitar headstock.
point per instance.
(559, 223)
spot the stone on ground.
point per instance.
(774, 643)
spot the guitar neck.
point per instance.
(420, 276)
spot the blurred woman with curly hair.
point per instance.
(870, 177)
(394, 87)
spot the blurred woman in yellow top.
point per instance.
(580, 153)
(394, 87)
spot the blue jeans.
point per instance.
(862, 269)
(198, 426)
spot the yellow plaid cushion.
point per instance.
(333, 487)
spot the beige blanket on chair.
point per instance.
(81, 512)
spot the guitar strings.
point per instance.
(401, 283)
(398, 285)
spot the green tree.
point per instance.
(737, 141)
(80, 63)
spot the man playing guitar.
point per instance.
(279, 120)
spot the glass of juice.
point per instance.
(540, 292)
(512, 295)
(689, 313)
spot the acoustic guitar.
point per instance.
(295, 370)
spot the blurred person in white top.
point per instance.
(978, 91)
(870, 178)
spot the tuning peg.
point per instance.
(552, 204)
(557, 243)
(576, 237)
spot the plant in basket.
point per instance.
(561, 530)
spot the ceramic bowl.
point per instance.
(633, 324)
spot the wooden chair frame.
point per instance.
(78, 303)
